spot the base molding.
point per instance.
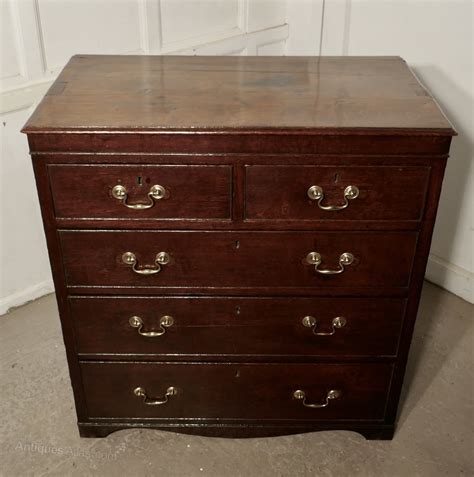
(26, 295)
(236, 431)
(455, 279)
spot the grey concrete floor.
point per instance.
(38, 434)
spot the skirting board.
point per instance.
(455, 279)
(24, 296)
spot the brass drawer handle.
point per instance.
(345, 259)
(140, 392)
(165, 322)
(316, 192)
(312, 322)
(156, 192)
(332, 394)
(161, 258)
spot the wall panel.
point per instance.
(10, 41)
(87, 26)
(191, 21)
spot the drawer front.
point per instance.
(235, 259)
(236, 391)
(383, 193)
(113, 192)
(237, 326)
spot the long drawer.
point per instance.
(191, 259)
(229, 326)
(140, 192)
(236, 391)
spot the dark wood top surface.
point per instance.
(116, 93)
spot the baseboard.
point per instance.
(455, 279)
(24, 296)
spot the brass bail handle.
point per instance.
(311, 322)
(156, 192)
(316, 192)
(165, 322)
(315, 258)
(162, 258)
(330, 396)
(141, 392)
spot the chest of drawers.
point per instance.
(238, 244)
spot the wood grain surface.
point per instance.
(193, 93)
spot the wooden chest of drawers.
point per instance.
(238, 244)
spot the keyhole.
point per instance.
(139, 180)
(237, 310)
(237, 244)
(336, 178)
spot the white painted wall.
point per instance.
(38, 36)
(25, 272)
(435, 38)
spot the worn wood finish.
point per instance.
(192, 192)
(237, 430)
(236, 259)
(238, 141)
(385, 193)
(327, 221)
(237, 391)
(215, 328)
(314, 93)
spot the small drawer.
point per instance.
(187, 260)
(141, 192)
(236, 391)
(318, 193)
(237, 326)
